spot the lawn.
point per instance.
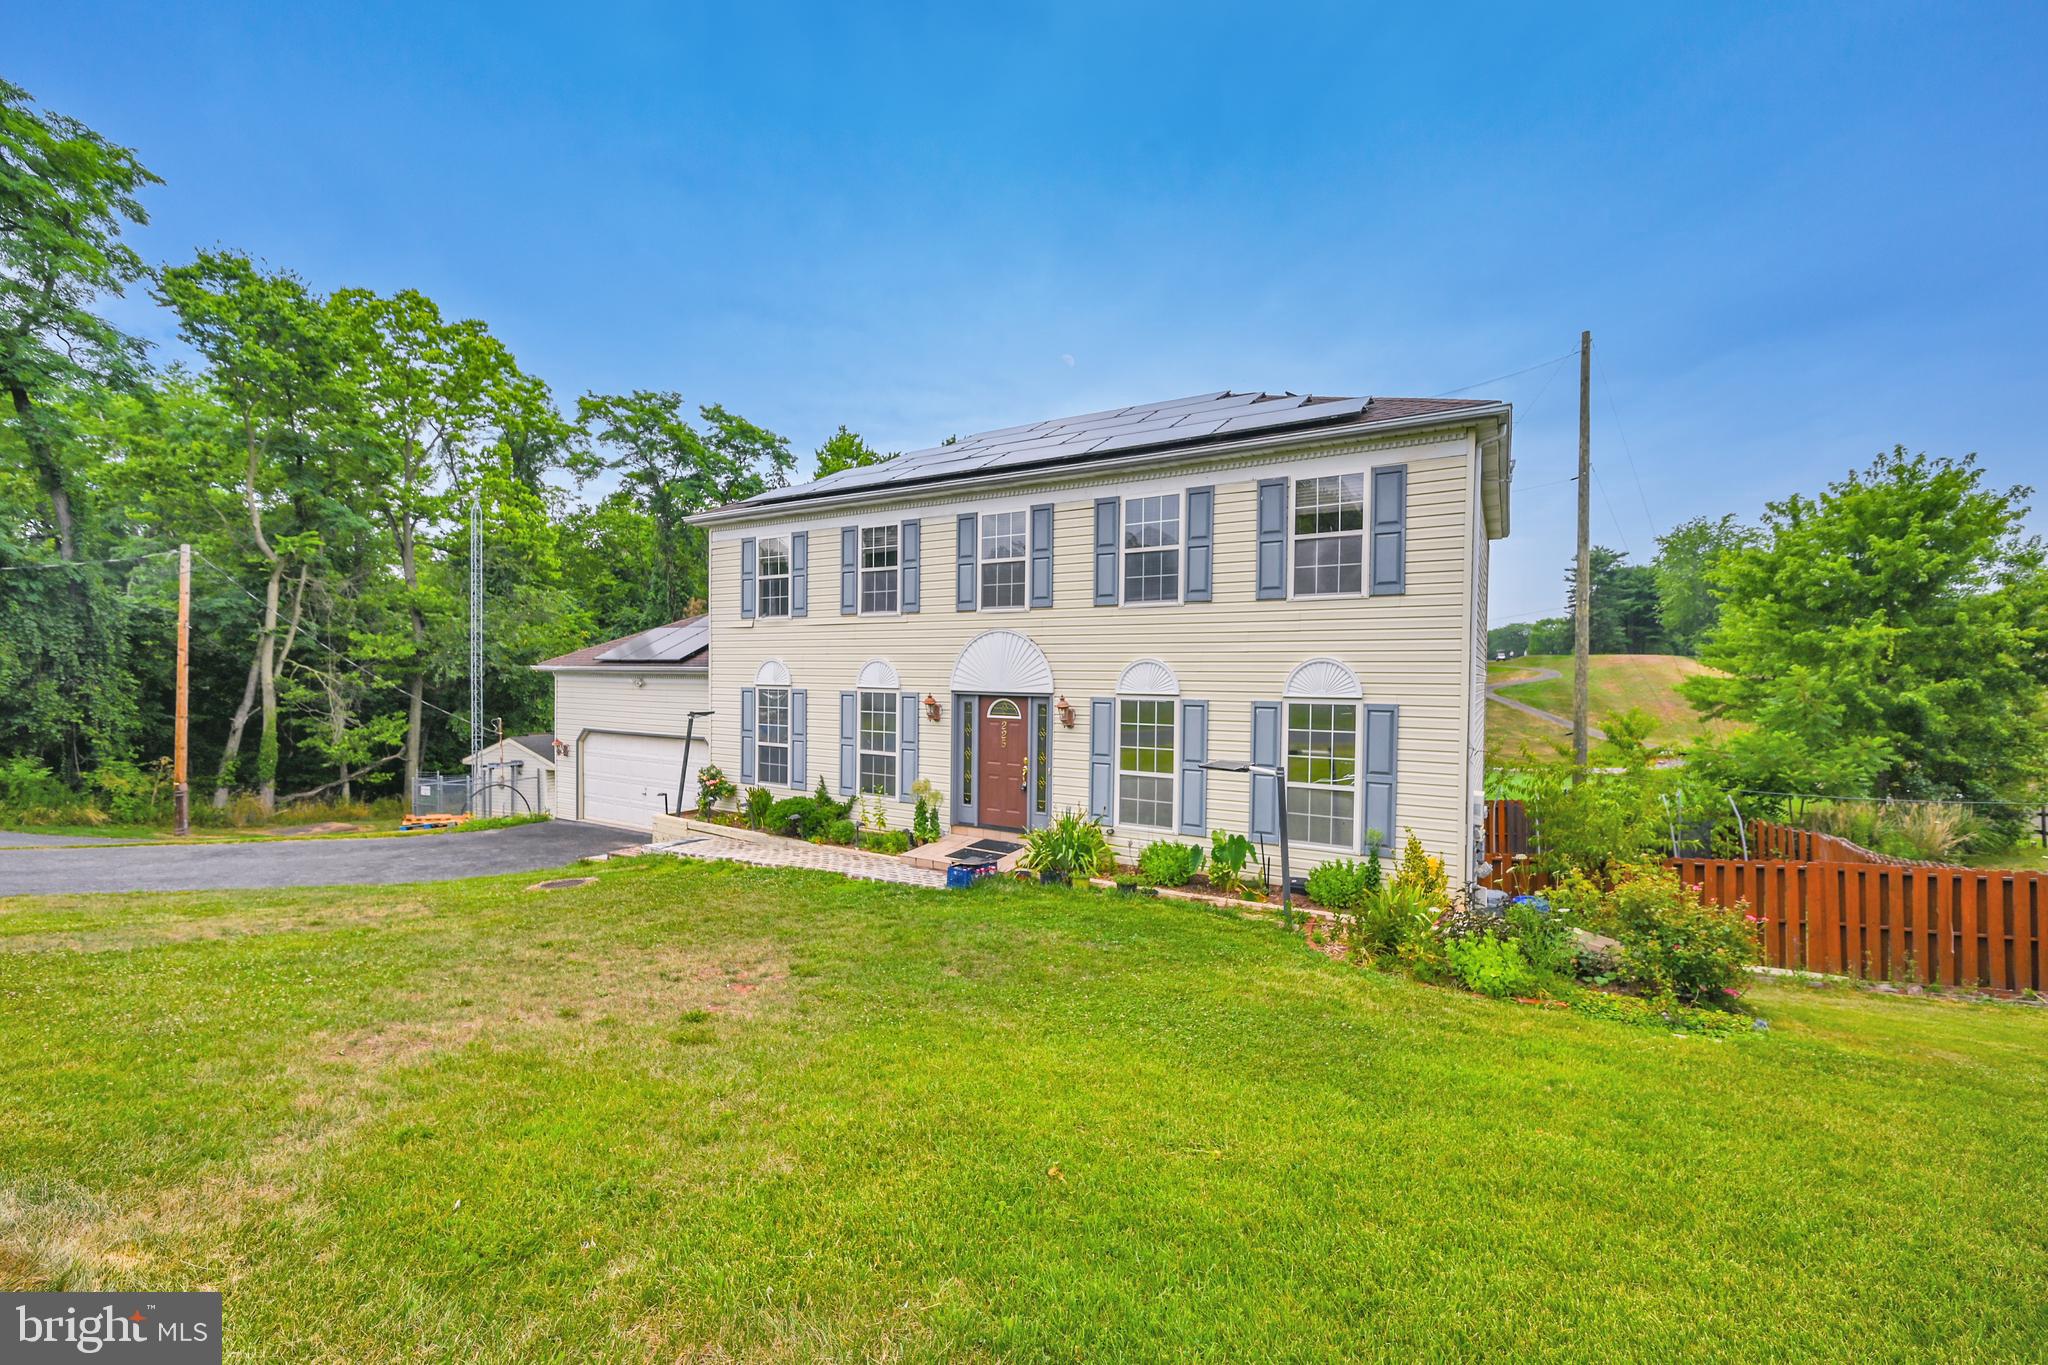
(709, 1111)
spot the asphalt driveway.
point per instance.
(59, 870)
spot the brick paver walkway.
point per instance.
(847, 862)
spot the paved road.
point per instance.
(304, 862)
(1551, 717)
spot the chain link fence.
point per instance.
(499, 790)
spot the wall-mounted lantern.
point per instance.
(1066, 710)
(931, 706)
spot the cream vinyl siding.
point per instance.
(1414, 649)
(653, 702)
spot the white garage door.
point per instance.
(625, 776)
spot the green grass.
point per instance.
(1617, 682)
(695, 1111)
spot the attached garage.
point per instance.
(626, 776)
(623, 711)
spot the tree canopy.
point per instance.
(319, 450)
(1889, 637)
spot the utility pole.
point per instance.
(1582, 596)
(181, 789)
(476, 635)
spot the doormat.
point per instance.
(995, 848)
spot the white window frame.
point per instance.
(762, 744)
(762, 577)
(1022, 559)
(894, 753)
(1296, 537)
(1356, 789)
(894, 569)
(1178, 550)
(1172, 774)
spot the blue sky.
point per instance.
(1797, 238)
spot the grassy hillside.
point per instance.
(1619, 682)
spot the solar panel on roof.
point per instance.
(1134, 427)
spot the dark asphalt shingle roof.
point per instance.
(1180, 422)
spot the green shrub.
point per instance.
(1545, 934)
(1630, 1009)
(1673, 941)
(1228, 854)
(1389, 918)
(1169, 864)
(890, 841)
(1490, 966)
(924, 821)
(1338, 885)
(790, 815)
(1072, 844)
(760, 801)
(841, 831)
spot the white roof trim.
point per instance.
(512, 750)
(1149, 678)
(1002, 661)
(878, 675)
(772, 673)
(1323, 678)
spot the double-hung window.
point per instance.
(1144, 780)
(1003, 539)
(771, 735)
(878, 743)
(878, 569)
(1329, 535)
(1322, 773)
(771, 572)
(1152, 548)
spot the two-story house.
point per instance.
(1081, 613)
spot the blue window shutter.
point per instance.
(849, 570)
(799, 739)
(800, 574)
(1382, 766)
(1194, 779)
(1102, 759)
(1390, 530)
(747, 579)
(746, 734)
(1265, 786)
(907, 553)
(1107, 511)
(849, 719)
(1272, 582)
(906, 747)
(1041, 555)
(1200, 579)
(966, 547)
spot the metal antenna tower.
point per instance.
(476, 630)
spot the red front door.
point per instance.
(1002, 764)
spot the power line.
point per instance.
(1892, 800)
(1558, 360)
(1607, 392)
(84, 563)
(311, 635)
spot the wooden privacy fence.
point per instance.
(1823, 904)
(1955, 926)
(1770, 840)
